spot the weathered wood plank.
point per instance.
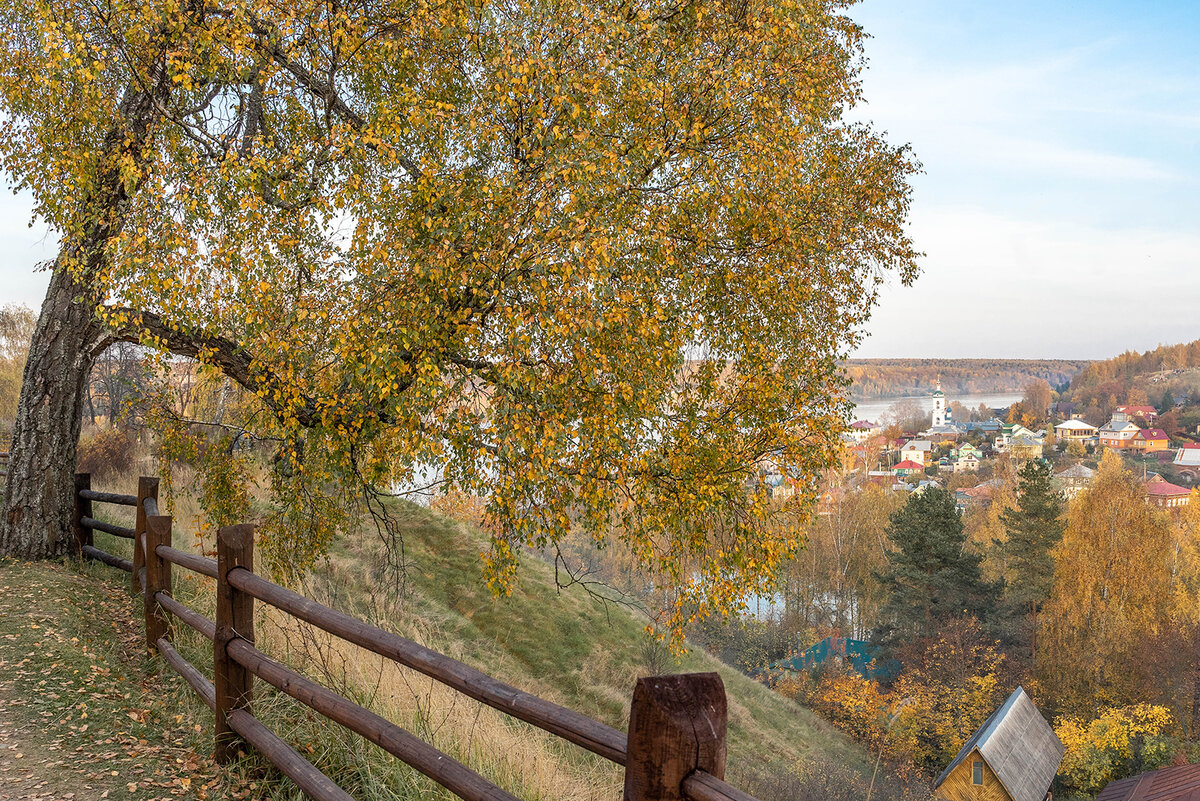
(92, 552)
(315, 784)
(194, 562)
(445, 770)
(157, 580)
(235, 620)
(92, 524)
(676, 726)
(566, 723)
(191, 617)
(108, 497)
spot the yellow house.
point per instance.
(1013, 756)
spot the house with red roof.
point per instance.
(1166, 495)
(1149, 440)
(1175, 783)
(908, 467)
(1147, 413)
(862, 430)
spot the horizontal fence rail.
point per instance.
(675, 749)
(568, 724)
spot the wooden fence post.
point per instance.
(158, 579)
(676, 726)
(83, 534)
(147, 488)
(235, 619)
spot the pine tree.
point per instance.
(1167, 403)
(1034, 527)
(933, 579)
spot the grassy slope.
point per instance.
(566, 646)
(563, 646)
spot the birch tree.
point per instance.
(593, 262)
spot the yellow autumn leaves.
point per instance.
(593, 265)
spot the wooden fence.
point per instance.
(675, 749)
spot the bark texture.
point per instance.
(68, 338)
(38, 496)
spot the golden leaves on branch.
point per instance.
(596, 266)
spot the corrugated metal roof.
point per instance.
(1179, 783)
(1018, 745)
(1076, 471)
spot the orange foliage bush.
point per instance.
(855, 704)
(464, 508)
(106, 452)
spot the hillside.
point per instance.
(893, 378)
(561, 645)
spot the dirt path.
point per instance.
(84, 714)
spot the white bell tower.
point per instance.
(939, 405)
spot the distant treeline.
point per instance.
(891, 378)
(1130, 365)
(1166, 378)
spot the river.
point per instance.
(875, 408)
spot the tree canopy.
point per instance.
(1034, 528)
(933, 578)
(592, 262)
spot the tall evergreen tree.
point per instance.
(933, 579)
(1167, 403)
(1034, 527)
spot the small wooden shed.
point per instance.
(1013, 756)
(1178, 783)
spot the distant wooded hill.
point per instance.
(891, 378)
(1131, 365)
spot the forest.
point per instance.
(1092, 606)
(892, 378)
(1166, 377)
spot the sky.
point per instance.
(1059, 208)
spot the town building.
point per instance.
(1150, 440)
(1147, 413)
(1187, 461)
(1166, 495)
(1025, 446)
(1009, 432)
(1118, 433)
(1013, 756)
(917, 450)
(965, 462)
(966, 449)
(979, 495)
(908, 467)
(862, 430)
(1074, 430)
(1073, 480)
(940, 418)
(1176, 783)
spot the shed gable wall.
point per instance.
(958, 786)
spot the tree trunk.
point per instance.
(69, 336)
(38, 497)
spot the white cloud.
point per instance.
(1000, 286)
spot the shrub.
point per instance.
(106, 452)
(1119, 742)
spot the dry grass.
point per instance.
(563, 646)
